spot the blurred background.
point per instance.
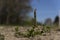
(21, 12)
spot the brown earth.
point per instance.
(8, 32)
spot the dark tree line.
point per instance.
(48, 21)
(14, 11)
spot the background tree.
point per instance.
(14, 11)
(56, 21)
(48, 21)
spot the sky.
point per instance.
(46, 9)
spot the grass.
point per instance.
(29, 33)
(1, 37)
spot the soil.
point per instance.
(8, 32)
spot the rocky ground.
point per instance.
(8, 32)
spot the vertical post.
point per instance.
(35, 24)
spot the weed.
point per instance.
(1, 37)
